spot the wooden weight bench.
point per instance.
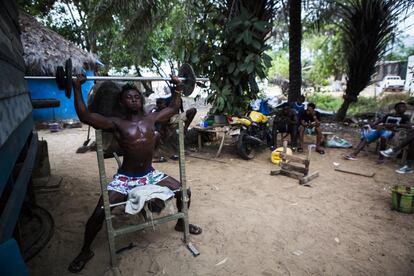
(112, 232)
(295, 170)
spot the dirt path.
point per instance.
(254, 223)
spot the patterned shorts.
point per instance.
(123, 183)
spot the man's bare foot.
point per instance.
(80, 261)
(194, 229)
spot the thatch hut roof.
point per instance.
(44, 49)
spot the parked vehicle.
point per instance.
(392, 83)
(250, 132)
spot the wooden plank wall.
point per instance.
(15, 103)
(17, 139)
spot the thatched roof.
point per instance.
(44, 49)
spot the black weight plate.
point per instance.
(68, 78)
(60, 78)
(187, 72)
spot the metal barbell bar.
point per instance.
(115, 78)
(64, 78)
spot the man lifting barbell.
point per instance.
(135, 135)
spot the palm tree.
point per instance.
(295, 41)
(135, 18)
(368, 27)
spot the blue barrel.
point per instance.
(47, 89)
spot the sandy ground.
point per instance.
(254, 223)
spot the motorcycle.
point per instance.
(249, 133)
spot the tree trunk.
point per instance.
(295, 40)
(340, 116)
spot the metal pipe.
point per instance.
(114, 78)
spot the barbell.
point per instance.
(64, 77)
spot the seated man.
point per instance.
(286, 122)
(165, 129)
(136, 136)
(392, 152)
(310, 121)
(383, 130)
(188, 117)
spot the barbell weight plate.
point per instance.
(68, 78)
(60, 78)
(187, 72)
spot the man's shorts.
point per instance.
(373, 134)
(122, 183)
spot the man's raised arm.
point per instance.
(175, 104)
(93, 119)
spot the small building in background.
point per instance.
(394, 68)
(44, 51)
(409, 79)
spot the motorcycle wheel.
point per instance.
(244, 148)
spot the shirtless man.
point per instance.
(135, 135)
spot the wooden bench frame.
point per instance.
(112, 232)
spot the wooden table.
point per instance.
(218, 129)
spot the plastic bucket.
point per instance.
(402, 199)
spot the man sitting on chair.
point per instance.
(136, 137)
(383, 129)
(167, 128)
(310, 122)
(286, 122)
(393, 152)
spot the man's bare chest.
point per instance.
(135, 132)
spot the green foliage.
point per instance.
(364, 104)
(399, 52)
(324, 56)
(279, 66)
(325, 101)
(240, 59)
(226, 41)
(122, 33)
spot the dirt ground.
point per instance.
(253, 223)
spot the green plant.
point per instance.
(364, 104)
(325, 102)
(241, 57)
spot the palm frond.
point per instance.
(368, 27)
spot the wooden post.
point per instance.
(183, 180)
(309, 152)
(308, 156)
(284, 155)
(106, 203)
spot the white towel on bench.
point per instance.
(139, 195)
